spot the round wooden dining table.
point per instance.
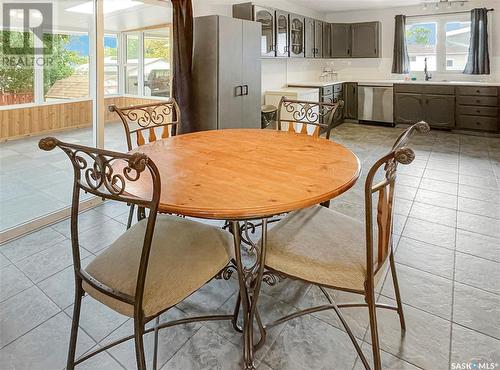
(247, 174)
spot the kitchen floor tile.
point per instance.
(427, 257)
(429, 232)
(477, 309)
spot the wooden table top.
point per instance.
(246, 173)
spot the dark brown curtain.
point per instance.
(400, 59)
(182, 58)
(478, 62)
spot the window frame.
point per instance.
(441, 20)
(140, 65)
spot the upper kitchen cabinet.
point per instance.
(296, 36)
(355, 40)
(341, 40)
(265, 16)
(365, 40)
(327, 40)
(318, 39)
(313, 38)
(282, 34)
(310, 49)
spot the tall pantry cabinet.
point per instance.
(226, 73)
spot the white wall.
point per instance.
(224, 7)
(276, 73)
(381, 68)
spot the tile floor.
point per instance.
(447, 233)
(33, 182)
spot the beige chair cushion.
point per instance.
(321, 246)
(184, 255)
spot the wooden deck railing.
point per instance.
(18, 122)
(15, 98)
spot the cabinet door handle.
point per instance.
(245, 90)
(348, 51)
(238, 90)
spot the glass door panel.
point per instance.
(282, 48)
(48, 94)
(266, 18)
(296, 36)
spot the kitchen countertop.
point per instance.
(391, 83)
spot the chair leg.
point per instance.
(141, 213)
(396, 291)
(139, 344)
(372, 310)
(155, 353)
(326, 204)
(130, 216)
(70, 365)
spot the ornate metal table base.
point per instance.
(250, 280)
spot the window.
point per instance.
(157, 63)
(17, 73)
(422, 41)
(132, 64)
(66, 71)
(111, 76)
(443, 41)
(147, 70)
(457, 44)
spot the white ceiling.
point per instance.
(344, 5)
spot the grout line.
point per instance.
(29, 331)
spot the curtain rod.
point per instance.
(448, 13)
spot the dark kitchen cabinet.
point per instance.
(313, 38)
(318, 39)
(327, 40)
(351, 100)
(309, 38)
(434, 104)
(296, 36)
(365, 40)
(265, 16)
(341, 40)
(282, 34)
(478, 108)
(439, 110)
(408, 108)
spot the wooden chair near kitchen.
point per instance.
(154, 265)
(330, 250)
(158, 119)
(306, 117)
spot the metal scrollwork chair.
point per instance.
(143, 273)
(157, 119)
(299, 116)
(330, 250)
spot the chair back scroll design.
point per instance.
(400, 154)
(106, 174)
(148, 117)
(307, 113)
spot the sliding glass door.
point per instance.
(58, 78)
(45, 90)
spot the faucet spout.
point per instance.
(428, 76)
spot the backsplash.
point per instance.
(276, 73)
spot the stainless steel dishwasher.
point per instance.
(375, 104)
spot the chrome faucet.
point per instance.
(428, 76)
